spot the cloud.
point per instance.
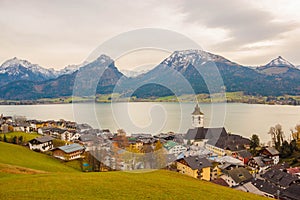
(244, 23)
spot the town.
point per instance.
(208, 154)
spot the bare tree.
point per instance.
(277, 135)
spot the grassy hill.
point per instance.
(63, 182)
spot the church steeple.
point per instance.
(197, 117)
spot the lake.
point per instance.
(152, 117)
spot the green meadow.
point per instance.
(25, 174)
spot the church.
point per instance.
(217, 140)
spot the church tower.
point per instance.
(197, 118)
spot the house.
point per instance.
(44, 143)
(280, 178)
(194, 166)
(242, 155)
(259, 163)
(267, 189)
(295, 171)
(249, 187)
(58, 133)
(237, 176)
(174, 148)
(69, 152)
(271, 153)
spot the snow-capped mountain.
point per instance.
(279, 62)
(15, 66)
(182, 59)
(276, 66)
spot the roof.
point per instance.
(220, 181)
(43, 139)
(206, 133)
(170, 144)
(272, 150)
(280, 178)
(294, 170)
(71, 148)
(244, 154)
(88, 137)
(239, 175)
(259, 161)
(249, 187)
(265, 186)
(230, 142)
(196, 162)
(293, 192)
(197, 111)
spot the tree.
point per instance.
(285, 149)
(15, 140)
(20, 139)
(254, 143)
(296, 133)
(277, 136)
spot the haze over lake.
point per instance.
(150, 117)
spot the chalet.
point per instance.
(242, 155)
(174, 148)
(61, 134)
(280, 178)
(271, 153)
(260, 163)
(44, 143)
(68, 152)
(237, 176)
(195, 166)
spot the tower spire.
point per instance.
(197, 117)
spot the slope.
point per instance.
(65, 183)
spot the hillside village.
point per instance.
(208, 154)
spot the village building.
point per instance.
(271, 153)
(267, 189)
(243, 155)
(259, 163)
(174, 148)
(44, 143)
(58, 133)
(280, 178)
(195, 166)
(236, 177)
(216, 140)
(68, 152)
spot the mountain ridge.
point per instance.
(185, 71)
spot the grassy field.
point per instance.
(57, 181)
(26, 136)
(23, 157)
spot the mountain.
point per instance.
(276, 66)
(183, 72)
(64, 84)
(16, 69)
(195, 71)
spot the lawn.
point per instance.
(26, 136)
(58, 181)
(23, 157)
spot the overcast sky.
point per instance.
(55, 33)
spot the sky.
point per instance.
(56, 33)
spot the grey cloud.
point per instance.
(245, 23)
